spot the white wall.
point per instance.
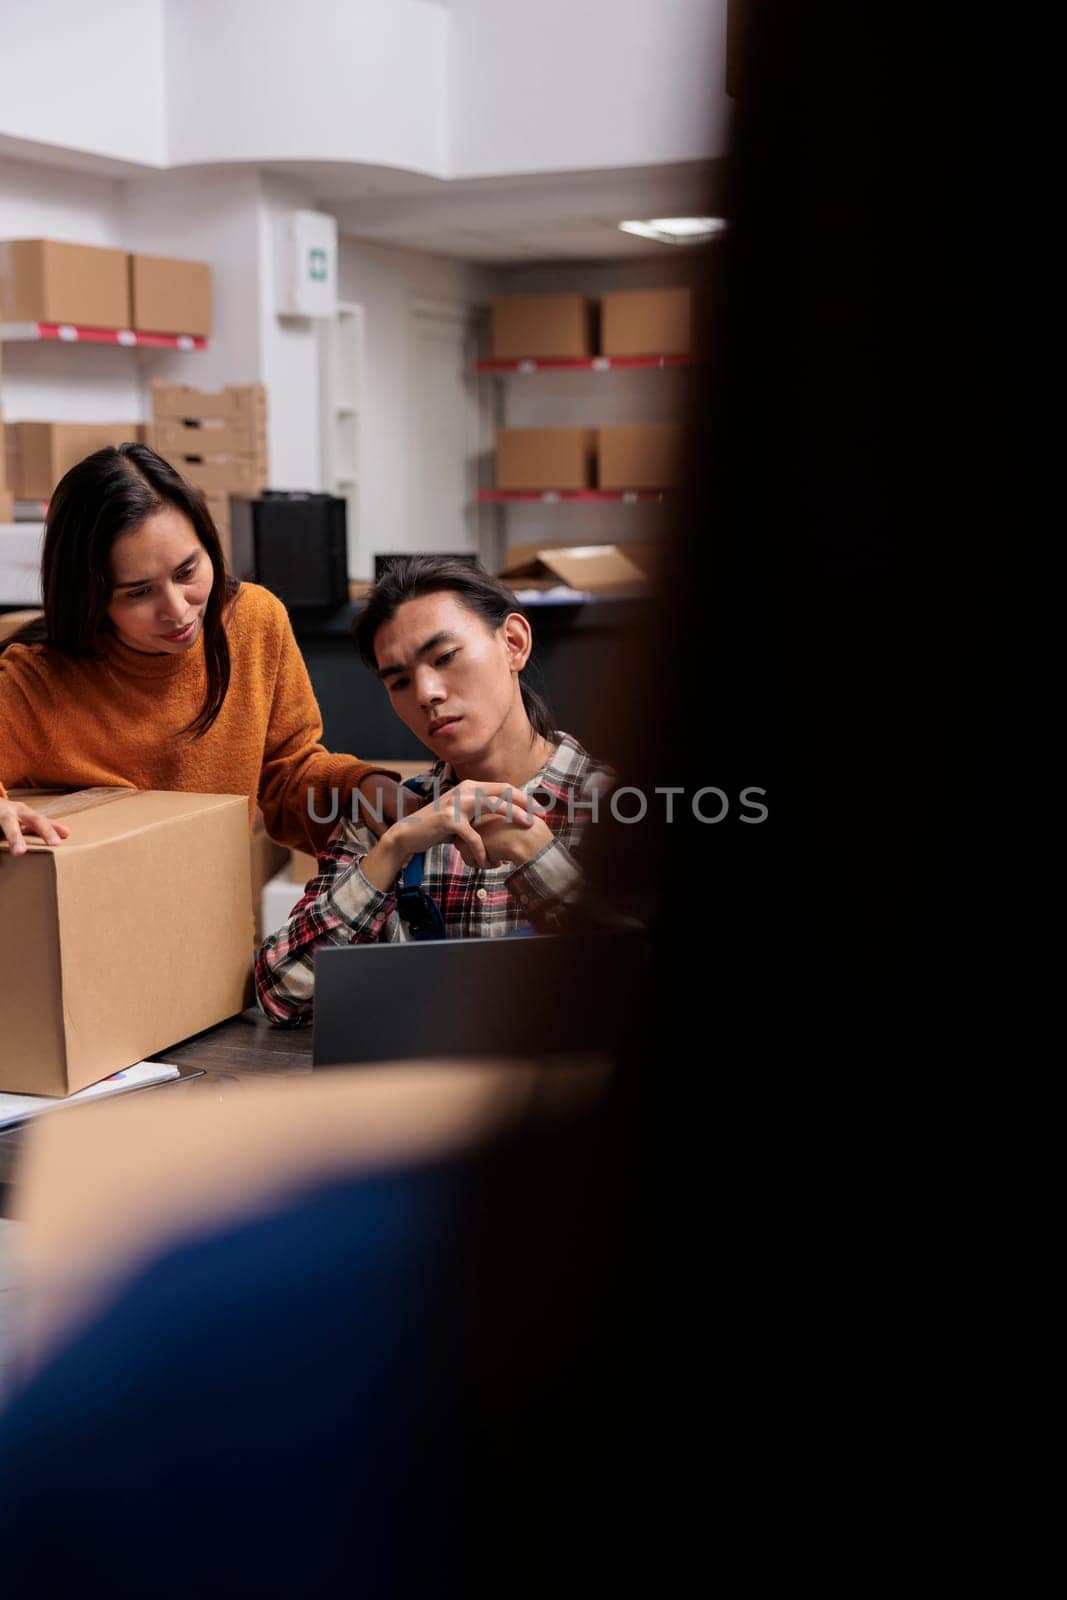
(387, 283)
(288, 355)
(84, 75)
(562, 85)
(325, 80)
(213, 217)
(471, 88)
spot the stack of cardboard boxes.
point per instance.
(90, 286)
(638, 456)
(216, 441)
(87, 286)
(634, 457)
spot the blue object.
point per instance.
(418, 909)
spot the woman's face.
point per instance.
(162, 580)
(451, 677)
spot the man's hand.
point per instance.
(508, 841)
(458, 817)
(18, 820)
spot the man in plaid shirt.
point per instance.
(499, 816)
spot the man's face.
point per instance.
(452, 679)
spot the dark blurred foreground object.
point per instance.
(358, 1394)
(295, 545)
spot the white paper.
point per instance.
(18, 1107)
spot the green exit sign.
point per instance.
(317, 271)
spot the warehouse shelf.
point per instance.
(67, 333)
(549, 497)
(588, 364)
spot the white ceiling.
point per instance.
(540, 217)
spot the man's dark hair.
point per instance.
(411, 577)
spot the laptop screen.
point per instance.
(537, 996)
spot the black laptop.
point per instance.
(537, 996)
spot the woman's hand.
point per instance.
(17, 821)
(382, 806)
(456, 816)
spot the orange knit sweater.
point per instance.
(75, 724)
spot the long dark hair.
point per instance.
(410, 577)
(108, 494)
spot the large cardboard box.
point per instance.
(170, 296)
(598, 568)
(7, 506)
(39, 453)
(545, 458)
(559, 326)
(646, 322)
(42, 280)
(641, 455)
(132, 934)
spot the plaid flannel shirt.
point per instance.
(341, 906)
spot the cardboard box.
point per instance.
(177, 440)
(646, 322)
(219, 507)
(133, 934)
(237, 402)
(42, 280)
(39, 453)
(599, 568)
(7, 506)
(548, 326)
(643, 455)
(225, 476)
(545, 458)
(170, 296)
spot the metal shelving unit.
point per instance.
(68, 333)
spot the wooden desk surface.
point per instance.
(245, 1045)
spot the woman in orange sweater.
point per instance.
(152, 668)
